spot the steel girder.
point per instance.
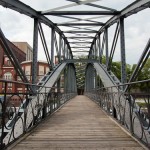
(27, 10)
(129, 10)
(35, 52)
(80, 24)
(57, 13)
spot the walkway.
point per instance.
(79, 125)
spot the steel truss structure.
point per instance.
(88, 35)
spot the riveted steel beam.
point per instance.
(80, 42)
(35, 52)
(82, 37)
(123, 54)
(80, 24)
(80, 31)
(80, 13)
(80, 51)
(80, 47)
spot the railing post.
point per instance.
(25, 108)
(2, 145)
(130, 113)
(112, 107)
(118, 97)
(44, 105)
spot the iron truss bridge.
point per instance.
(79, 40)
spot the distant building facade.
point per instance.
(23, 52)
(7, 70)
(26, 48)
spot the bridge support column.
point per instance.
(123, 55)
(95, 49)
(60, 47)
(35, 53)
(89, 78)
(106, 45)
(99, 48)
(52, 46)
(70, 79)
(64, 50)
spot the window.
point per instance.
(8, 62)
(9, 84)
(41, 73)
(7, 76)
(27, 72)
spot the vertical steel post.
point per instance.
(35, 53)
(106, 45)
(123, 56)
(67, 52)
(65, 79)
(64, 51)
(58, 91)
(52, 46)
(99, 47)
(60, 47)
(95, 49)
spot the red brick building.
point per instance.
(27, 68)
(8, 72)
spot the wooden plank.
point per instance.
(79, 125)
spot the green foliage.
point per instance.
(143, 75)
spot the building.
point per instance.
(42, 67)
(23, 52)
(26, 48)
(7, 70)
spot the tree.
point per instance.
(144, 74)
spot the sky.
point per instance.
(18, 27)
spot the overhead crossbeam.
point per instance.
(68, 6)
(81, 13)
(80, 42)
(80, 47)
(94, 5)
(80, 24)
(82, 37)
(89, 19)
(80, 31)
(79, 51)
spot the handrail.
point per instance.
(131, 109)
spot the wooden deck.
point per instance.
(79, 125)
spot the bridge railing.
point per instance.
(20, 111)
(131, 108)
